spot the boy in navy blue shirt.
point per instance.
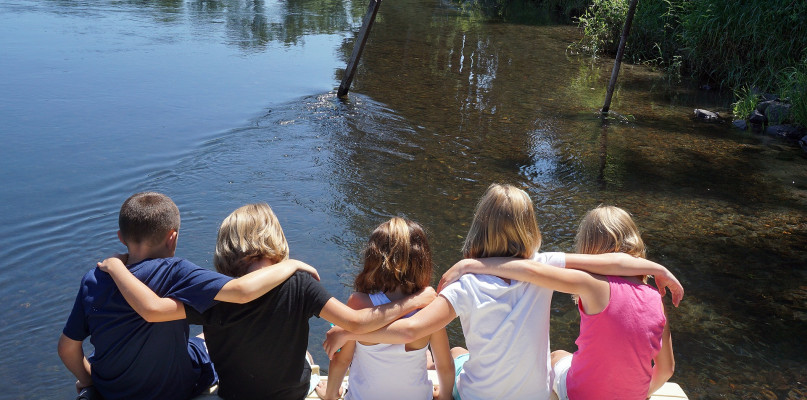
(144, 358)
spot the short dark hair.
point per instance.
(147, 216)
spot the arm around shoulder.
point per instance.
(259, 282)
(621, 264)
(428, 320)
(371, 318)
(140, 297)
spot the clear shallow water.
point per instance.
(223, 103)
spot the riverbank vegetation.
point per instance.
(747, 46)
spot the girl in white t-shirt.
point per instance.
(397, 263)
(505, 322)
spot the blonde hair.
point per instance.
(397, 255)
(250, 233)
(609, 229)
(503, 226)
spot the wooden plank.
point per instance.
(358, 47)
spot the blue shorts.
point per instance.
(458, 363)
(201, 362)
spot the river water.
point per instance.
(222, 103)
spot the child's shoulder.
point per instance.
(159, 263)
(553, 258)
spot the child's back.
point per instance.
(505, 327)
(397, 262)
(259, 347)
(616, 345)
(134, 358)
(388, 371)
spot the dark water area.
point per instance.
(222, 103)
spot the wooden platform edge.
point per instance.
(670, 390)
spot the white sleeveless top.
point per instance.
(388, 371)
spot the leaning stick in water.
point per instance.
(358, 47)
(619, 53)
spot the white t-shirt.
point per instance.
(388, 371)
(506, 329)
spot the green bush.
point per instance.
(653, 35)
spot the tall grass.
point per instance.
(793, 86)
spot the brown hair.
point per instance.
(147, 216)
(248, 234)
(609, 229)
(503, 226)
(397, 255)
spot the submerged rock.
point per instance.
(789, 132)
(777, 112)
(740, 124)
(803, 144)
(757, 117)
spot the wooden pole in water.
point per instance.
(358, 47)
(619, 53)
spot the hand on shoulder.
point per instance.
(116, 261)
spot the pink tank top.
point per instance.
(616, 347)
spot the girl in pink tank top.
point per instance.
(624, 346)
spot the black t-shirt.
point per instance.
(258, 348)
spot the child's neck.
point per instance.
(262, 263)
(140, 253)
(395, 294)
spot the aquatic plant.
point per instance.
(747, 99)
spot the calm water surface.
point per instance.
(221, 103)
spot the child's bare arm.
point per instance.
(536, 273)
(428, 320)
(370, 319)
(621, 264)
(547, 276)
(140, 297)
(444, 364)
(664, 363)
(257, 283)
(154, 308)
(336, 373)
(72, 355)
(341, 361)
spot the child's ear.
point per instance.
(171, 240)
(120, 237)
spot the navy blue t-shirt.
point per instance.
(135, 359)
